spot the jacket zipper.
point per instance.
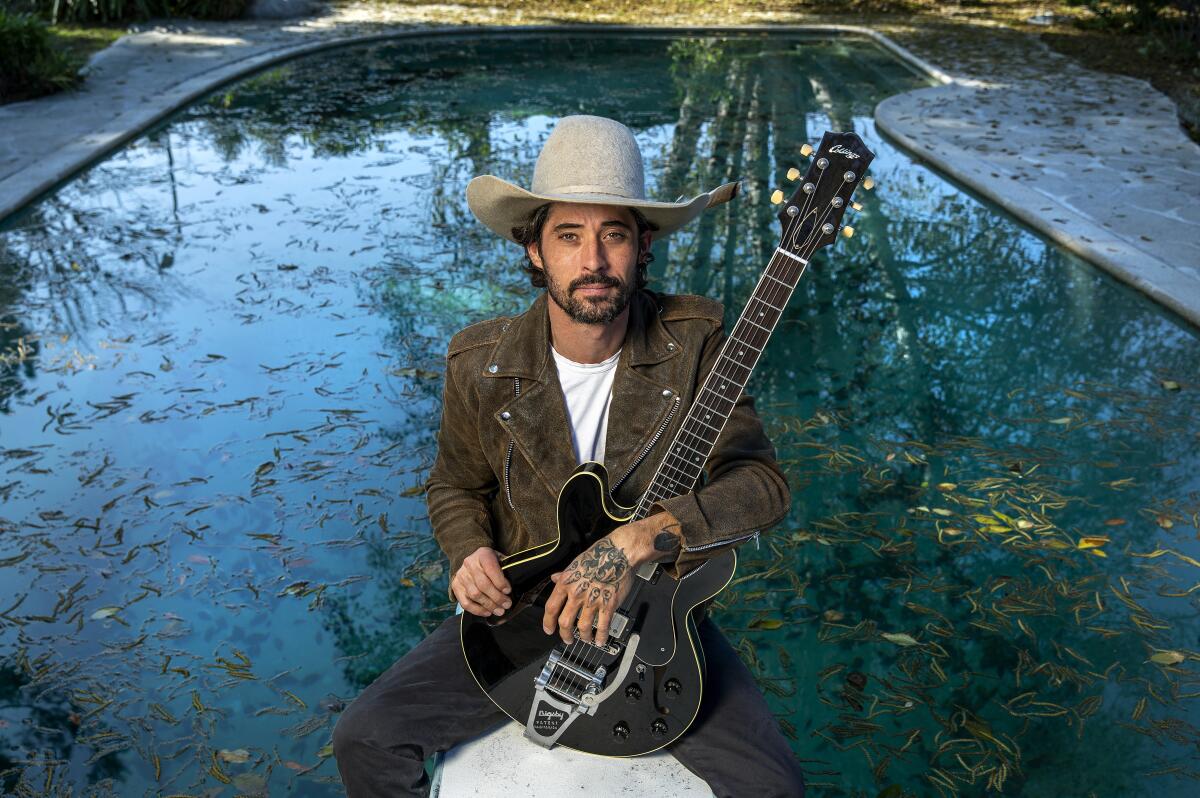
(649, 446)
(753, 534)
(508, 457)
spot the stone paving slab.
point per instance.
(1098, 163)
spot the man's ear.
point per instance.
(645, 244)
(533, 250)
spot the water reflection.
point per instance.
(222, 362)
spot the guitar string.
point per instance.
(779, 295)
(783, 292)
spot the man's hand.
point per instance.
(596, 582)
(480, 585)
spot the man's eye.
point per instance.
(617, 235)
(567, 236)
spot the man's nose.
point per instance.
(595, 258)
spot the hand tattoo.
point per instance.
(598, 571)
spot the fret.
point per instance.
(770, 276)
(679, 442)
(757, 298)
(735, 339)
(759, 326)
(710, 426)
(696, 433)
(723, 414)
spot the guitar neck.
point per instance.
(683, 464)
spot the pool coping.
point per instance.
(1083, 236)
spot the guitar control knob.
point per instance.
(659, 727)
(621, 730)
(673, 688)
(633, 692)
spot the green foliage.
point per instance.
(84, 11)
(29, 64)
(1173, 25)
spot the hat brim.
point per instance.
(501, 205)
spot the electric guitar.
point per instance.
(642, 689)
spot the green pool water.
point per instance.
(219, 393)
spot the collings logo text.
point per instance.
(838, 149)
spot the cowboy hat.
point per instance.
(591, 160)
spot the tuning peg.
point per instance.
(847, 231)
(806, 150)
(856, 206)
(868, 183)
(793, 173)
(776, 197)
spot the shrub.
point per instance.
(29, 64)
(81, 11)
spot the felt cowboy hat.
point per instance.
(590, 160)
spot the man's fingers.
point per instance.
(586, 616)
(602, 622)
(553, 605)
(483, 585)
(495, 574)
(474, 608)
(566, 623)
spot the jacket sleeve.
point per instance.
(745, 490)
(461, 481)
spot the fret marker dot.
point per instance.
(741, 352)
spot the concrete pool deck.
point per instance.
(1097, 163)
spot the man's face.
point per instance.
(589, 254)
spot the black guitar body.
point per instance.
(651, 694)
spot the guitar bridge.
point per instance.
(556, 704)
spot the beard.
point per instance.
(589, 310)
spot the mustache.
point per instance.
(598, 279)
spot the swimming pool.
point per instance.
(223, 360)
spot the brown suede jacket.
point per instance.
(504, 448)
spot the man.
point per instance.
(596, 369)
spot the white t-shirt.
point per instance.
(588, 391)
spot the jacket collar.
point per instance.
(523, 348)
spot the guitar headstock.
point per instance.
(812, 216)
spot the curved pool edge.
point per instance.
(42, 175)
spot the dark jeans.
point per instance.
(427, 701)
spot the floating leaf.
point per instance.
(1165, 522)
(766, 623)
(833, 616)
(1063, 420)
(899, 638)
(415, 490)
(946, 486)
(1169, 385)
(1115, 522)
(1092, 542)
(1167, 657)
(105, 612)
(237, 755)
(942, 511)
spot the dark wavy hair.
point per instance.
(531, 232)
